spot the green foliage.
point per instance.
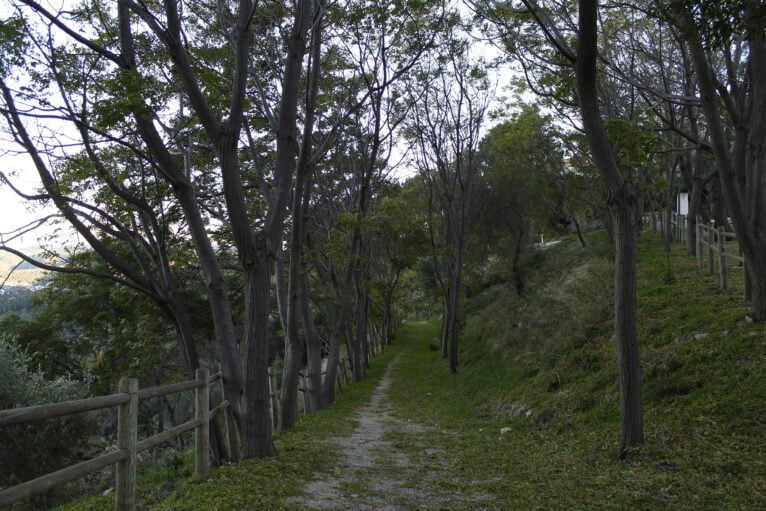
(13, 42)
(720, 21)
(525, 193)
(16, 300)
(635, 145)
(34, 449)
(90, 325)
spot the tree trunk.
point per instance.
(177, 312)
(362, 343)
(281, 287)
(625, 323)
(695, 209)
(313, 351)
(294, 346)
(257, 434)
(220, 306)
(446, 321)
(624, 201)
(457, 289)
(357, 343)
(333, 357)
(748, 163)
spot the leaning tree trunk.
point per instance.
(454, 323)
(177, 311)
(446, 321)
(294, 345)
(358, 351)
(362, 325)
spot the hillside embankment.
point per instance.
(531, 420)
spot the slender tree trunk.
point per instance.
(357, 348)
(626, 235)
(695, 209)
(177, 311)
(313, 351)
(294, 346)
(446, 321)
(220, 306)
(454, 324)
(333, 357)
(281, 287)
(518, 277)
(362, 330)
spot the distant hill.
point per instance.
(24, 275)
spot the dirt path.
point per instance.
(385, 464)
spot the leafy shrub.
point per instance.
(32, 449)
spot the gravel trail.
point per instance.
(376, 469)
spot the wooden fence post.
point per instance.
(723, 270)
(202, 431)
(710, 241)
(127, 434)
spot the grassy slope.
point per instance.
(544, 366)
(704, 397)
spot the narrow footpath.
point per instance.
(385, 464)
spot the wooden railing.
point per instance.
(716, 248)
(128, 446)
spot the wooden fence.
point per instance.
(128, 446)
(716, 247)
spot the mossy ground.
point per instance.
(704, 374)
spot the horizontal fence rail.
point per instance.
(128, 446)
(126, 400)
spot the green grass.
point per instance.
(544, 366)
(704, 402)
(152, 487)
